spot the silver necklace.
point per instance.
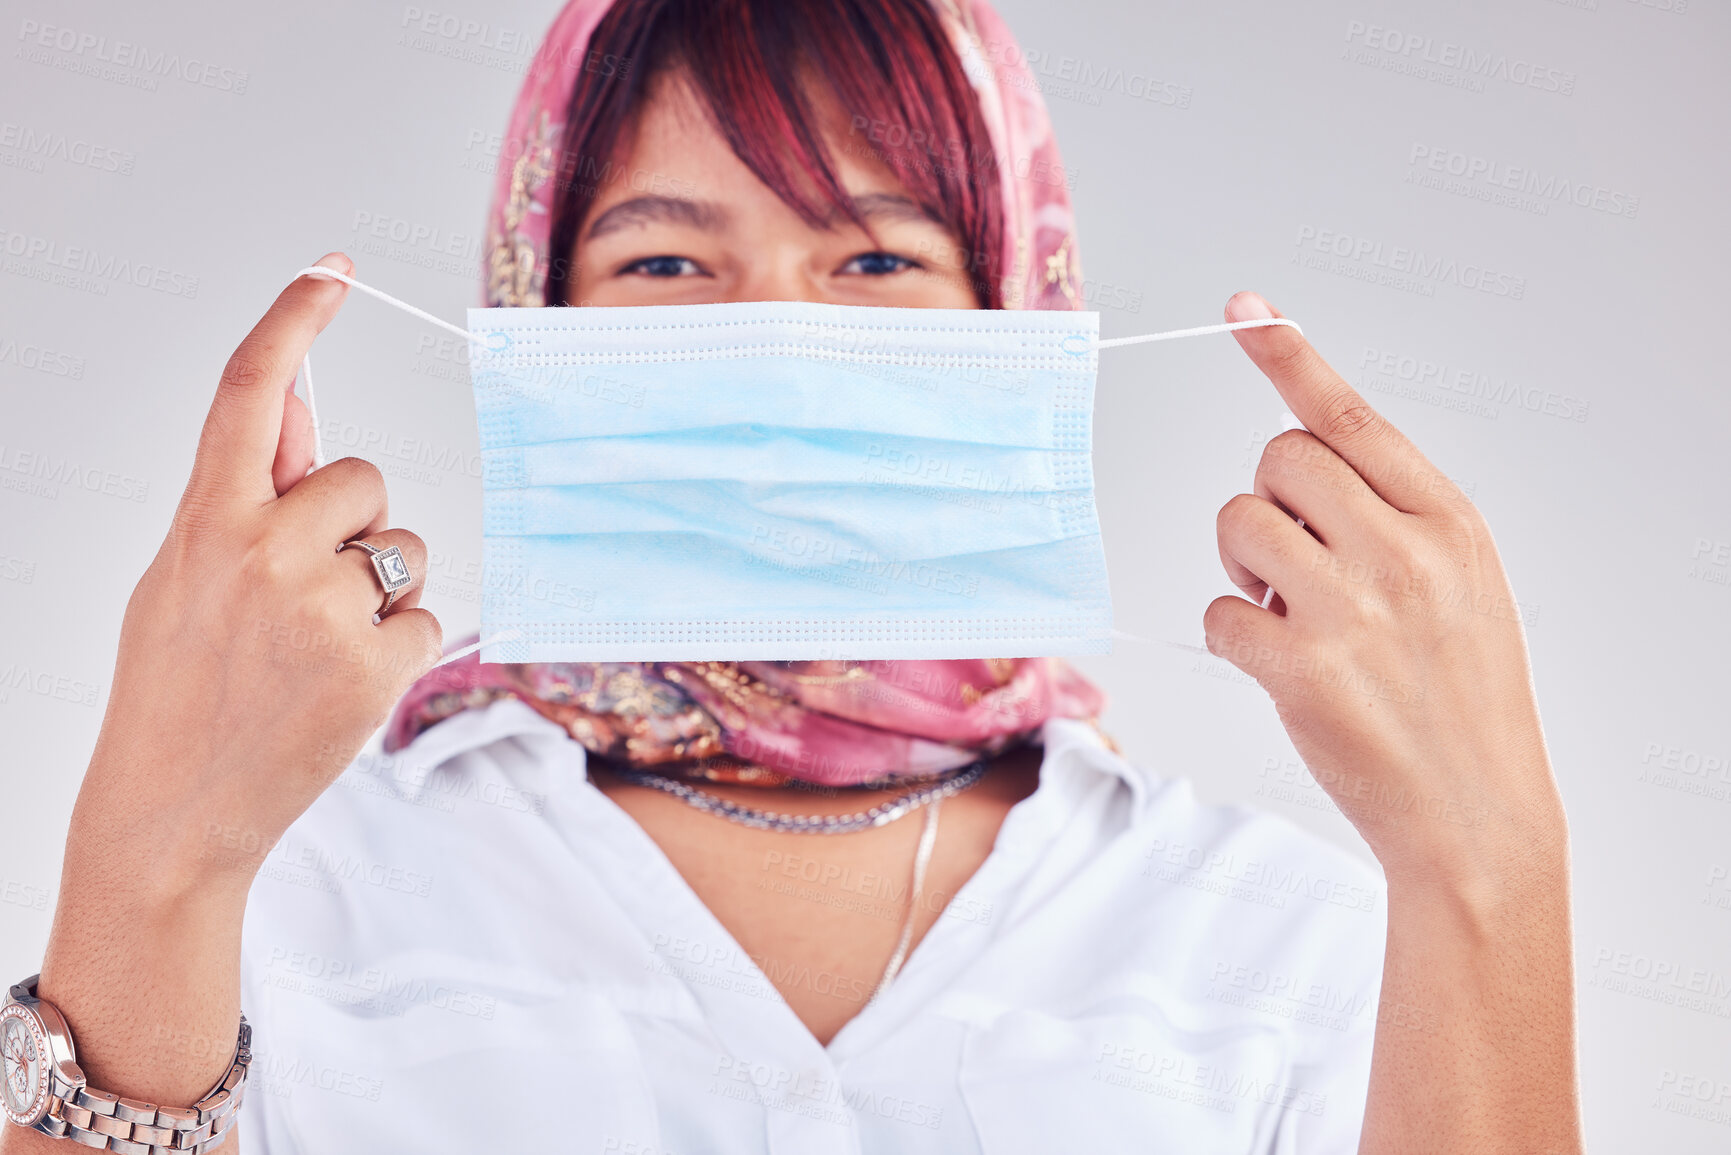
(879, 815)
(916, 891)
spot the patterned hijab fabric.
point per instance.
(1039, 259)
(824, 723)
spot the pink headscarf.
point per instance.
(830, 723)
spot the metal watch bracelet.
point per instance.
(110, 1122)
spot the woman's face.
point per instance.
(686, 222)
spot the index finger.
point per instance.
(238, 444)
(1335, 413)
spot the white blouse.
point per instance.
(466, 947)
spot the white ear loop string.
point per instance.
(458, 330)
(501, 636)
(321, 271)
(313, 412)
(1199, 331)
(307, 364)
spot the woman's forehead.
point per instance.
(675, 165)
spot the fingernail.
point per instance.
(1249, 307)
(337, 261)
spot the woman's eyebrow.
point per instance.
(643, 210)
(891, 206)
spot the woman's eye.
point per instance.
(877, 264)
(663, 267)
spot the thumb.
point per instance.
(294, 452)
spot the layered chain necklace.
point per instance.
(931, 796)
(953, 782)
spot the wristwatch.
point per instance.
(44, 1089)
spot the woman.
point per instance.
(537, 922)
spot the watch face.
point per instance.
(24, 1054)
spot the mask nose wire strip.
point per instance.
(458, 330)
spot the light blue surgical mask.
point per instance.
(784, 480)
(788, 480)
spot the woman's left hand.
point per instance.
(1393, 649)
(1393, 646)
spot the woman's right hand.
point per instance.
(250, 673)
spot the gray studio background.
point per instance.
(1560, 356)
